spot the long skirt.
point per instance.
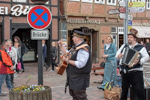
(110, 73)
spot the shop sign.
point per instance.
(39, 34)
(16, 10)
(83, 21)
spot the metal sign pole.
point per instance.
(126, 23)
(40, 63)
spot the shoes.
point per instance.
(2, 94)
(46, 68)
(15, 75)
(51, 71)
(100, 88)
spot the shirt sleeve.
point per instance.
(82, 58)
(144, 55)
(119, 51)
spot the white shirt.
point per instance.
(143, 51)
(82, 58)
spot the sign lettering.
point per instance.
(82, 21)
(16, 10)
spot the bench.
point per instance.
(97, 67)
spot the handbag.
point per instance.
(113, 94)
(102, 64)
(19, 66)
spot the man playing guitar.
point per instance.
(79, 66)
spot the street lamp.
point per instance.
(39, 1)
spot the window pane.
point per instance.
(19, 0)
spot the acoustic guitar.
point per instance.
(63, 65)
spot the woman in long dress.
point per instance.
(110, 73)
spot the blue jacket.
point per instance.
(111, 52)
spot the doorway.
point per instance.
(24, 35)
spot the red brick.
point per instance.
(86, 8)
(54, 11)
(145, 21)
(99, 9)
(141, 14)
(54, 2)
(7, 27)
(147, 13)
(54, 29)
(105, 29)
(73, 7)
(19, 20)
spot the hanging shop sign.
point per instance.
(16, 10)
(83, 21)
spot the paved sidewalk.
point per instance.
(55, 81)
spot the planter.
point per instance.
(39, 1)
(32, 95)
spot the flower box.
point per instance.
(27, 93)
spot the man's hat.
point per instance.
(78, 34)
(133, 32)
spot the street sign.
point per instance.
(113, 11)
(122, 4)
(136, 9)
(122, 9)
(123, 16)
(129, 23)
(129, 27)
(39, 34)
(39, 17)
(136, 4)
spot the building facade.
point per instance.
(91, 17)
(13, 22)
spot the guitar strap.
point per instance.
(83, 47)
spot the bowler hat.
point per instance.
(133, 32)
(78, 33)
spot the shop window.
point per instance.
(111, 2)
(100, 1)
(148, 5)
(89, 1)
(63, 31)
(120, 30)
(114, 30)
(19, 0)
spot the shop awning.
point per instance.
(143, 32)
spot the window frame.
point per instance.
(99, 2)
(113, 4)
(148, 8)
(87, 1)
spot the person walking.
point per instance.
(79, 66)
(6, 67)
(133, 75)
(44, 50)
(148, 46)
(54, 56)
(110, 73)
(17, 40)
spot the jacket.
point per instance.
(5, 62)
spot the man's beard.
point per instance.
(130, 42)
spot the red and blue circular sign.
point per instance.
(39, 17)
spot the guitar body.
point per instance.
(61, 68)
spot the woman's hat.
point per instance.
(78, 34)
